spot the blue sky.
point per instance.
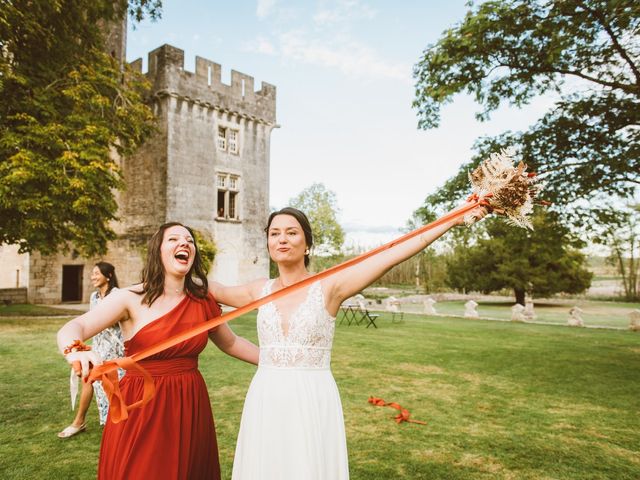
(342, 69)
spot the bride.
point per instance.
(292, 425)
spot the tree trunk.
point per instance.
(519, 295)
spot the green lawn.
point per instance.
(595, 313)
(501, 401)
(28, 310)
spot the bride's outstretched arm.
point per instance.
(350, 281)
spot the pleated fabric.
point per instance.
(292, 425)
(172, 437)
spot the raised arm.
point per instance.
(236, 296)
(352, 280)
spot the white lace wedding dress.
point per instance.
(292, 425)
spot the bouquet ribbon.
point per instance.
(107, 372)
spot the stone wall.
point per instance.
(173, 178)
(166, 72)
(180, 167)
(45, 277)
(45, 280)
(10, 296)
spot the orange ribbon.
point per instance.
(107, 371)
(404, 414)
(118, 409)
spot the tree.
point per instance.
(425, 270)
(66, 107)
(622, 236)
(588, 144)
(206, 247)
(320, 206)
(541, 262)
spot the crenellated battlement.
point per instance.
(167, 74)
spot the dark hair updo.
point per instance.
(109, 272)
(302, 220)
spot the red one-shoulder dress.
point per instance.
(172, 437)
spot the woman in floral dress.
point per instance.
(107, 344)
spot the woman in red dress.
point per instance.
(173, 436)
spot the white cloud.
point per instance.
(350, 57)
(342, 11)
(260, 45)
(331, 45)
(264, 7)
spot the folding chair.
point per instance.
(393, 307)
(348, 313)
(366, 315)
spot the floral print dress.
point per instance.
(109, 345)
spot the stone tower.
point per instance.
(208, 165)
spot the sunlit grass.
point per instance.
(501, 400)
(28, 310)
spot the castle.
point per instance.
(207, 167)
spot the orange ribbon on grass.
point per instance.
(402, 416)
(107, 372)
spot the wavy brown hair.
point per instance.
(302, 220)
(195, 282)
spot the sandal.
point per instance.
(71, 430)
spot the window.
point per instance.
(222, 138)
(221, 201)
(228, 140)
(232, 204)
(228, 191)
(232, 140)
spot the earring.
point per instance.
(306, 252)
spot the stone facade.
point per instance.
(10, 296)
(207, 167)
(180, 169)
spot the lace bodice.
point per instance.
(308, 341)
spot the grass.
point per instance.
(595, 313)
(501, 401)
(28, 310)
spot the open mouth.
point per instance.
(182, 257)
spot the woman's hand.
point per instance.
(472, 216)
(81, 361)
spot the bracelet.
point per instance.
(76, 346)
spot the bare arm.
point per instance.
(236, 296)
(233, 345)
(348, 282)
(107, 313)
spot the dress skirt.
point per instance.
(172, 437)
(292, 427)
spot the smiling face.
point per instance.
(98, 280)
(177, 250)
(286, 240)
